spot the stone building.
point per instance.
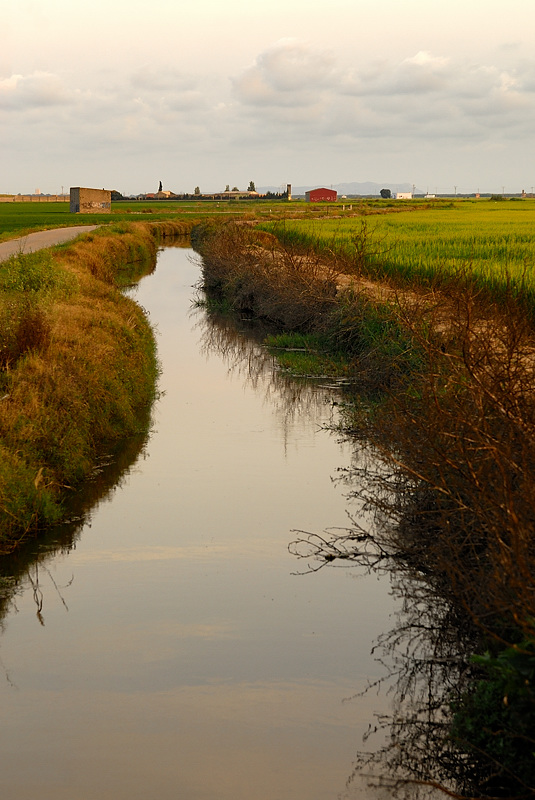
(90, 201)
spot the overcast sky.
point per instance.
(124, 93)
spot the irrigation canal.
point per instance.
(162, 647)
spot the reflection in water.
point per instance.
(191, 662)
(426, 655)
(29, 561)
(240, 347)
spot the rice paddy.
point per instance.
(492, 243)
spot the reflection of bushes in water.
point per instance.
(454, 498)
(29, 560)
(456, 723)
(454, 495)
(241, 346)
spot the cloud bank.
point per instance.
(293, 100)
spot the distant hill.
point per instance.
(365, 188)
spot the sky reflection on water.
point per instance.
(179, 656)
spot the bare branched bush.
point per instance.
(453, 490)
(271, 283)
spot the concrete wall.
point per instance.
(90, 201)
(34, 198)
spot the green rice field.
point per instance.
(492, 242)
(18, 219)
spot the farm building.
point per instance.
(321, 195)
(89, 201)
(404, 196)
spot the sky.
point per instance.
(120, 94)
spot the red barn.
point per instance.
(321, 195)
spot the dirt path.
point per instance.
(38, 241)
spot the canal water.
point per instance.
(164, 647)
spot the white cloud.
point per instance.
(289, 73)
(295, 103)
(425, 94)
(36, 90)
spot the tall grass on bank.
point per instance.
(77, 368)
(446, 402)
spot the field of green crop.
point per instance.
(426, 243)
(492, 241)
(18, 219)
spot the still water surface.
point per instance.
(171, 652)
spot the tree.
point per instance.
(235, 189)
(227, 187)
(386, 194)
(252, 187)
(196, 190)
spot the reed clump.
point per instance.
(78, 368)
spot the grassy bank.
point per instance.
(445, 400)
(77, 367)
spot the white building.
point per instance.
(403, 195)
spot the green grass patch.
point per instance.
(18, 219)
(307, 355)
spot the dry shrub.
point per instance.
(452, 484)
(268, 282)
(464, 452)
